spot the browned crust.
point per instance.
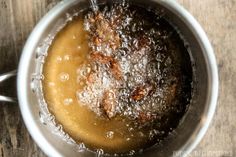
(109, 103)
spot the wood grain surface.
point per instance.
(218, 18)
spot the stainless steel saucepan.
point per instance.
(193, 125)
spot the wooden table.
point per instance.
(218, 18)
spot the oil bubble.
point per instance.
(64, 77)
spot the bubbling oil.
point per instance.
(147, 50)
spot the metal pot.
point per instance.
(192, 126)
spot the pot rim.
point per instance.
(23, 81)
